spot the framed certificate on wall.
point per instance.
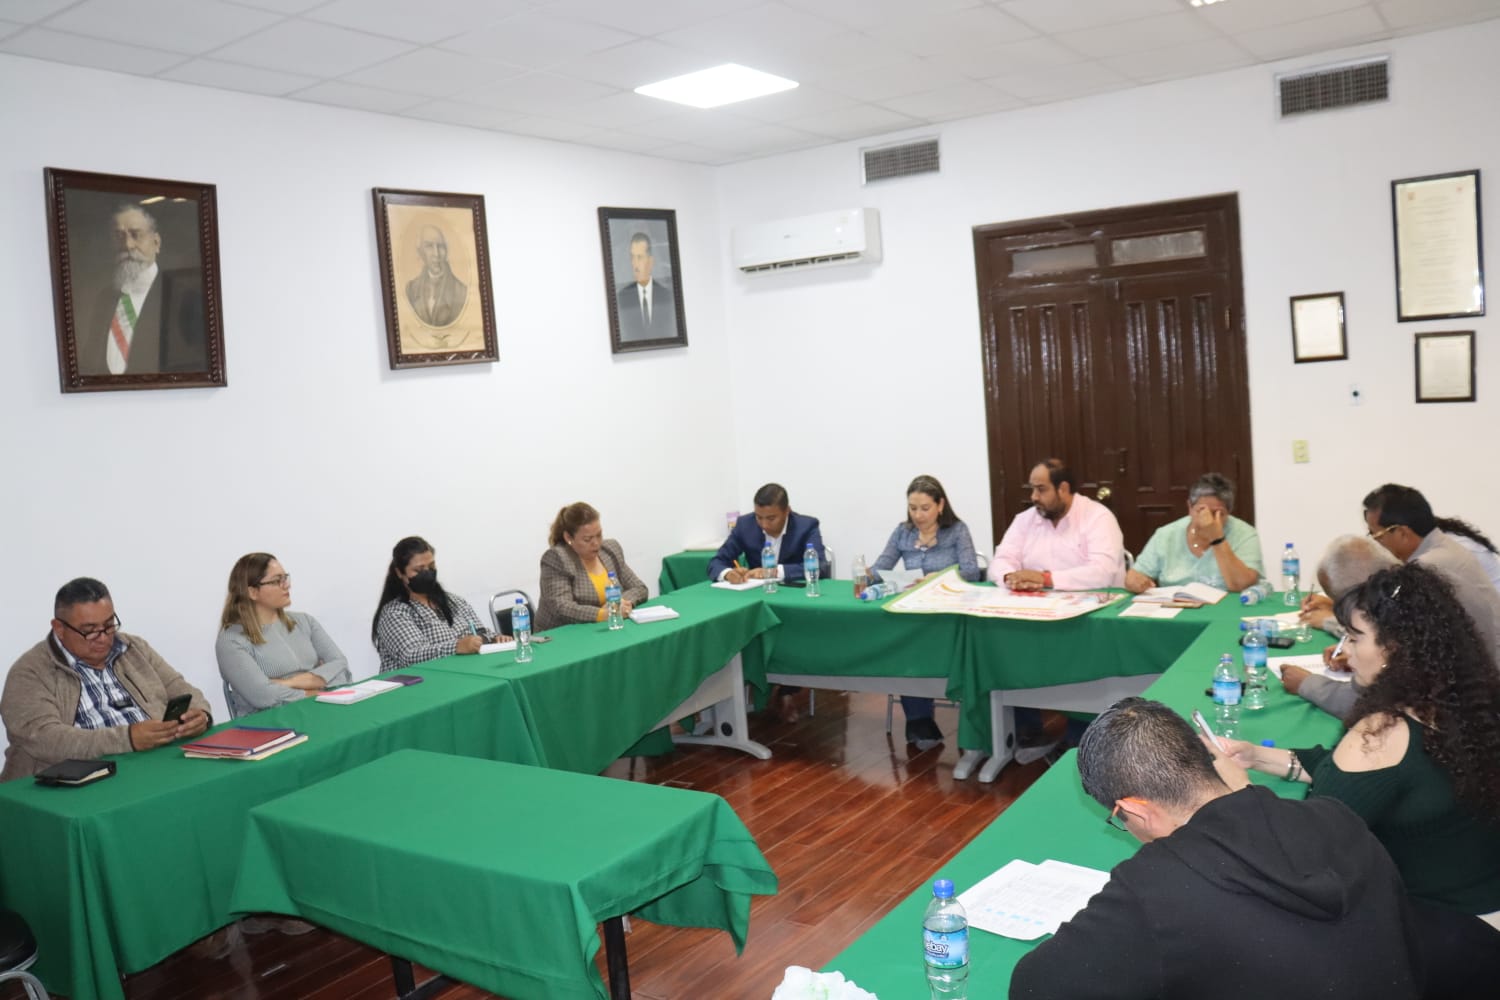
(1439, 248)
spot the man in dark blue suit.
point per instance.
(738, 559)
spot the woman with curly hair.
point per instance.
(1420, 761)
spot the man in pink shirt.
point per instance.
(1065, 541)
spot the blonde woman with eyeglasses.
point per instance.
(268, 655)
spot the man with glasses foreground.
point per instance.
(89, 689)
(1233, 895)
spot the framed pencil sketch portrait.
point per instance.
(1439, 246)
(642, 279)
(135, 282)
(1445, 367)
(435, 278)
(1318, 328)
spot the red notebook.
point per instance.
(239, 741)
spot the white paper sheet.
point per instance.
(1145, 609)
(1025, 901)
(1312, 664)
(655, 613)
(747, 585)
(1193, 591)
(498, 647)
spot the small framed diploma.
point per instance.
(1439, 255)
(1318, 328)
(1445, 367)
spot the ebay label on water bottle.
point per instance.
(946, 949)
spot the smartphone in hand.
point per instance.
(176, 708)
(1213, 738)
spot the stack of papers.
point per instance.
(1025, 901)
(357, 692)
(659, 613)
(244, 743)
(1192, 594)
(1146, 609)
(498, 647)
(747, 585)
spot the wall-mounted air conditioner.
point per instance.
(846, 237)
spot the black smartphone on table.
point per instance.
(176, 708)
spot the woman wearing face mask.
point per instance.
(577, 567)
(931, 538)
(417, 619)
(267, 654)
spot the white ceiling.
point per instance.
(565, 69)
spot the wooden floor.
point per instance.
(851, 820)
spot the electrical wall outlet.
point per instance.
(1299, 452)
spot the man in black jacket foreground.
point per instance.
(1240, 894)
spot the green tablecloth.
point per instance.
(683, 569)
(1055, 819)
(115, 876)
(590, 694)
(497, 874)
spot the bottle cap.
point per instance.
(942, 889)
(1268, 743)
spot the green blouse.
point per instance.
(1168, 560)
(1445, 853)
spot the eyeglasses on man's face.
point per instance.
(94, 631)
(1114, 818)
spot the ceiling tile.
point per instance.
(1210, 56)
(647, 18)
(1330, 31)
(1061, 83)
(1232, 18)
(862, 14)
(537, 40)
(696, 154)
(31, 11)
(789, 104)
(707, 127)
(635, 63)
(550, 128)
(1408, 15)
(434, 73)
(420, 21)
(958, 101)
(956, 31)
(621, 110)
(8, 28)
(232, 76)
(1012, 57)
(348, 95)
(915, 76)
(629, 142)
(460, 113)
(762, 140)
(280, 6)
(40, 43)
(1141, 35)
(763, 26)
(193, 26)
(1055, 16)
(315, 49)
(852, 123)
(536, 93)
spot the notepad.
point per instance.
(1146, 609)
(1312, 664)
(239, 741)
(358, 692)
(746, 585)
(297, 739)
(1187, 593)
(1025, 901)
(498, 647)
(658, 613)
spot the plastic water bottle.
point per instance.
(612, 603)
(1226, 697)
(810, 569)
(1254, 653)
(1291, 575)
(945, 941)
(520, 625)
(768, 564)
(861, 571)
(876, 591)
(1257, 593)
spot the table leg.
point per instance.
(615, 959)
(721, 698)
(1002, 737)
(406, 987)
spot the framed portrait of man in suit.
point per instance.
(135, 282)
(642, 279)
(435, 278)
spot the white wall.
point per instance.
(1314, 201)
(317, 451)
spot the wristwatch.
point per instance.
(1217, 541)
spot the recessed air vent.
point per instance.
(887, 162)
(1365, 82)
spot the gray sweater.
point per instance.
(248, 668)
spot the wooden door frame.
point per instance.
(1078, 227)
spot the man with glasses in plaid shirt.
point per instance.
(88, 689)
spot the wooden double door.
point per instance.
(1115, 340)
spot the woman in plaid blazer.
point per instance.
(575, 568)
